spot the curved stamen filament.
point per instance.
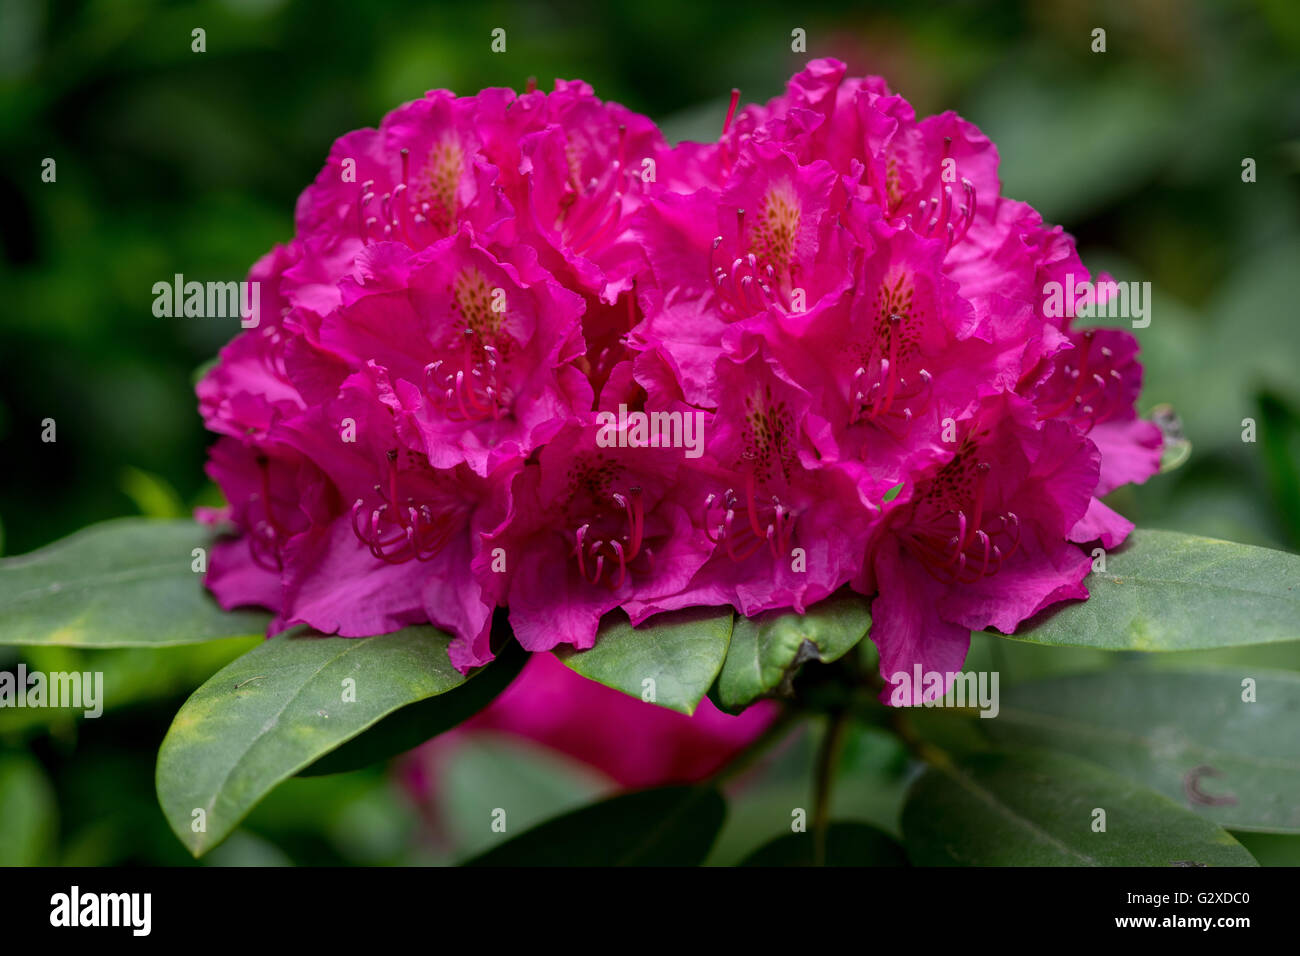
(889, 399)
(961, 545)
(472, 391)
(588, 214)
(402, 214)
(750, 285)
(943, 214)
(1093, 392)
(621, 549)
(771, 524)
(396, 533)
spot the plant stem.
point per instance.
(921, 749)
(828, 760)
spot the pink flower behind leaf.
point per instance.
(633, 743)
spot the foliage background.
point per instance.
(171, 161)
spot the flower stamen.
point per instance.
(396, 531)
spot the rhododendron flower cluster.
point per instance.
(838, 292)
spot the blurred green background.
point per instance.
(174, 161)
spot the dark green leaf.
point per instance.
(1038, 809)
(670, 659)
(672, 826)
(847, 844)
(124, 583)
(1279, 441)
(277, 710)
(1187, 734)
(1272, 849)
(1165, 591)
(768, 649)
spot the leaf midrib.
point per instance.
(635, 852)
(87, 583)
(1200, 587)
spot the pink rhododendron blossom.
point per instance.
(835, 291)
(414, 180)
(980, 540)
(476, 355)
(593, 529)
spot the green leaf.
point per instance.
(1165, 591)
(277, 710)
(1038, 809)
(680, 652)
(28, 821)
(847, 844)
(671, 826)
(1187, 734)
(124, 583)
(767, 650)
(486, 771)
(418, 722)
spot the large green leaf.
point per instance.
(124, 583)
(1165, 591)
(1186, 734)
(671, 826)
(277, 710)
(1038, 809)
(672, 658)
(416, 723)
(847, 844)
(767, 650)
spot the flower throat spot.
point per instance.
(777, 226)
(442, 173)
